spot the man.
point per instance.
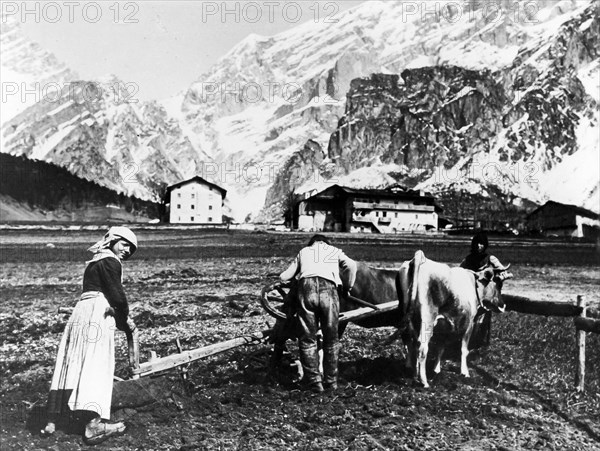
(317, 267)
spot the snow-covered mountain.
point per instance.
(279, 102)
(94, 128)
(514, 84)
(26, 68)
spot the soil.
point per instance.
(203, 287)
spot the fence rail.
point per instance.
(585, 322)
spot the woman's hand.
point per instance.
(131, 325)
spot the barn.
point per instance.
(195, 201)
(556, 219)
(343, 209)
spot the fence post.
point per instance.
(580, 375)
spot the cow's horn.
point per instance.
(502, 268)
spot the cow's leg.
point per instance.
(425, 333)
(279, 336)
(410, 341)
(464, 350)
(487, 328)
(438, 359)
(408, 344)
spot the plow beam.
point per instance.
(185, 357)
(364, 312)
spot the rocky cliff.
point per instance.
(507, 133)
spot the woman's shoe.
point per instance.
(48, 430)
(97, 431)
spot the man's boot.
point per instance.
(310, 364)
(330, 366)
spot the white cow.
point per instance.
(435, 292)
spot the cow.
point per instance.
(438, 295)
(373, 285)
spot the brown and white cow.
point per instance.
(436, 293)
(373, 285)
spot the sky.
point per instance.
(162, 46)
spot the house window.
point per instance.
(384, 214)
(209, 219)
(179, 218)
(192, 219)
(193, 195)
(193, 206)
(416, 216)
(178, 194)
(210, 207)
(178, 206)
(396, 215)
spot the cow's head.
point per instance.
(489, 287)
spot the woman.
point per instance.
(478, 260)
(83, 375)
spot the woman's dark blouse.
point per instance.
(476, 261)
(105, 275)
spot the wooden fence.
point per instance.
(583, 323)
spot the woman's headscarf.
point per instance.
(114, 233)
(479, 238)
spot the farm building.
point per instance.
(390, 210)
(195, 201)
(554, 218)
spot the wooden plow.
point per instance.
(158, 364)
(278, 292)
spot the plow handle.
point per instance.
(133, 345)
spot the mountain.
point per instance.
(27, 68)
(96, 129)
(469, 97)
(520, 81)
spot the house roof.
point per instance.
(577, 210)
(392, 192)
(395, 191)
(198, 179)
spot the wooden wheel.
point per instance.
(276, 293)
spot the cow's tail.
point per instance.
(413, 276)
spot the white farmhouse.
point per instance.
(195, 201)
